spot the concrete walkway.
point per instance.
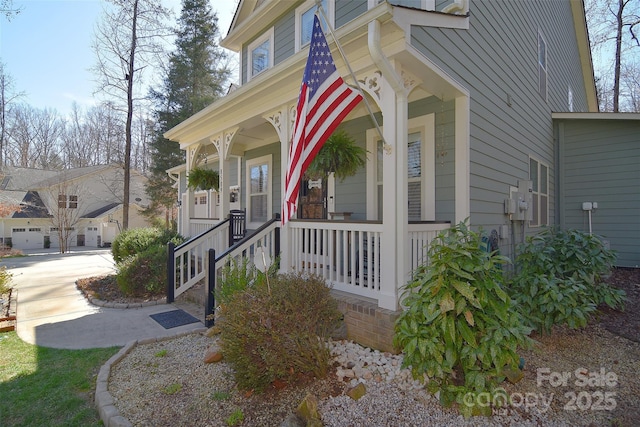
(52, 312)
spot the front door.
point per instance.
(313, 199)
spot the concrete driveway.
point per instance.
(52, 312)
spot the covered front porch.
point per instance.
(415, 183)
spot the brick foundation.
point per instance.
(366, 323)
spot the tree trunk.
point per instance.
(127, 148)
(616, 77)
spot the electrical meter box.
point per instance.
(522, 198)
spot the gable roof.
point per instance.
(101, 211)
(32, 207)
(17, 178)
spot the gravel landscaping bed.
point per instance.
(571, 377)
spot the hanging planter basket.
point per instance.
(203, 179)
(339, 155)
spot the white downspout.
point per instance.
(393, 247)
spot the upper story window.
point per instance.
(260, 54)
(304, 20)
(542, 66)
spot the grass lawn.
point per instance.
(48, 387)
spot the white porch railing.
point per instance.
(265, 240)
(200, 225)
(347, 254)
(420, 236)
(186, 264)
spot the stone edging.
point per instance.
(109, 414)
(109, 304)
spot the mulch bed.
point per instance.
(106, 288)
(624, 323)
(8, 311)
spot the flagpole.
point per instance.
(353, 75)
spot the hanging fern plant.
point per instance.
(339, 155)
(203, 179)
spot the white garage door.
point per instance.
(91, 237)
(72, 239)
(27, 238)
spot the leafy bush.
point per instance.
(141, 256)
(277, 329)
(559, 279)
(5, 280)
(136, 240)
(144, 273)
(458, 327)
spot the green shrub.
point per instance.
(136, 240)
(277, 329)
(5, 280)
(559, 279)
(144, 273)
(458, 327)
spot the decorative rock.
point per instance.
(308, 409)
(293, 420)
(348, 373)
(212, 357)
(513, 375)
(357, 392)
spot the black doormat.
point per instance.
(173, 319)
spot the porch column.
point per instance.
(282, 121)
(462, 158)
(223, 142)
(394, 210)
(187, 200)
(393, 104)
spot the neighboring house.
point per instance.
(85, 202)
(464, 92)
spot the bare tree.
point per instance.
(128, 40)
(8, 9)
(613, 25)
(33, 138)
(65, 206)
(7, 97)
(631, 78)
(106, 130)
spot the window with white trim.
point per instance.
(420, 171)
(259, 195)
(304, 20)
(542, 66)
(539, 176)
(260, 53)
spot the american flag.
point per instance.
(325, 100)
